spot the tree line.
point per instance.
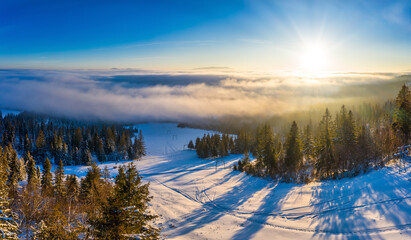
(74, 143)
(340, 145)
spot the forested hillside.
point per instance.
(345, 143)
(36, 203)
(72, 142)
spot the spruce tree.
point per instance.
(32, 178)
(324, 147)
(77, 138)
(90, 186)
(101, 155)
(122, 146)
(72, 188)
(365, 148)
(402, 116)
(124, 215)
(21, 166)
(8, 224)
(40, 146)
(197, 142)
(265, 152)
(307, 142)
(190, 145)
(46, 178)
(14, 170)
(86, 157)
(26, 143)
(110, 141)
(38, 172)
(59, 180)
(141, 148)
(345, 140)
(293, 157)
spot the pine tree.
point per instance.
(124, 214)
(345, 140)
(122, 147)
(242, 142)
(46, 178)
(402, 115)
(101, 155)
(26, 143)
(90, 186)
(324, 147)
(265, 152)
(32, 178)
(59, 149)
(38, 172)
(8, 224)
(293, 155)
(190, 145)
(110, 141)
(308, 145)
(140, 145)
(86, 157)
(72, 188)
(40, 146)
(365, 148)
(197, 142)
(76, 156)
(59, 180)
(215, 142)
(14, 170)
(77, 138)
(225, 145)
(21, 166)
(222, 150)
(201, 149)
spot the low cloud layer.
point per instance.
(130, 95)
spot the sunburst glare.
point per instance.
(315, 59)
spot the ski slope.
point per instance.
(195, 199)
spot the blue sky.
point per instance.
(180, 35)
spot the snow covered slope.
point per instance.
(197, 200)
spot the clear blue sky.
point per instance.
(353, 35)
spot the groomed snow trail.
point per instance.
(194, 199)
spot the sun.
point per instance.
(314, 59)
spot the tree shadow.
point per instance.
(362, 209)
(270, 206)
(188, 163)
(229, 203)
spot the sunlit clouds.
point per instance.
(130, 95)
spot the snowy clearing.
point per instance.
(197, 200)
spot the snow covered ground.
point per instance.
(195, 199)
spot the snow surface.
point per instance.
(194, 199)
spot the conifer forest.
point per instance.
(205, 119)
